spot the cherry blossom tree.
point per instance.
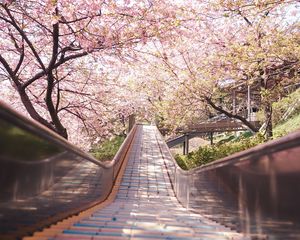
(266, 56)
(236, 43)
(90, 64)
(42, 43)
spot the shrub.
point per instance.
(181, 161)
(207, 154)
(106, 150)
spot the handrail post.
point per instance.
(188, 193)
(186, 144)
(131, 122)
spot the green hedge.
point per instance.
(207, 154)
(106, 150)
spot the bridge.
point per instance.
(205, 129)
(52, 190)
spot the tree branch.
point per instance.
(245, 18)
(230, 115)
(55, 38)
(10, 72)
(16, 26)
(21, 59)
(60, 129)
(56, 65)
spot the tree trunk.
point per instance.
(267, 100)
(268, 120)
(31, 110)
(35, 115)
(59, 128)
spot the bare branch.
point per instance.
(230, 115)
(10, 71)
(16, 26)
(21, 59)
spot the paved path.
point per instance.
(145, 206)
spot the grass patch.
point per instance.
(288, 126)
(106, 150)
(284, 104)
(232, 138)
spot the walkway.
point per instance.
(145, 206)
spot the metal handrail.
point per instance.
(81, 179)
(254, 191)
(289, 141)
(37, 128)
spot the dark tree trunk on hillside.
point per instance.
(268, 120)
(266, 101)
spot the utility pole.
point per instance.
(249, 103)
(234, 102)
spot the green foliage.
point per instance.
(19, 144)
(106, 150)
(232, 138)
(280, 107)
(225, 139)
(288, 126)
(246, 134)
(207, 154)
(181, 161)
